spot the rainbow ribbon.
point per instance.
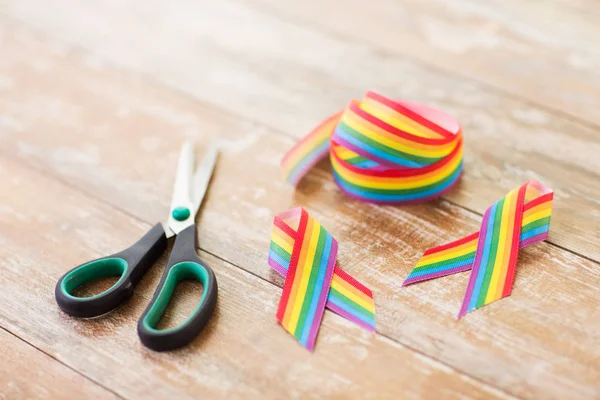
(384, 151)
(517, 220)
(305, 254)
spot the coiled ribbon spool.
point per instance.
(384, 151)
(517, 220)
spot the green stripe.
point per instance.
(356, 308)
(444, 262)
(356, 160)
(401, 191)
(310, 289)
(535, 224)
(485, 286)
(380, 146)
(279, 250)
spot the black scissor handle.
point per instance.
(183, 264)
(130, 264)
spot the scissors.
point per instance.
(132, 263)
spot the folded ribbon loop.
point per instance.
(384, 151)
(517, 220)
(304, 253)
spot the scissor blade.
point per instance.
(203, 175)
(182, 191)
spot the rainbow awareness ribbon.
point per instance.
(519, 219)
(384, 151)
(304, 253)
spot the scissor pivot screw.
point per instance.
(181, 213)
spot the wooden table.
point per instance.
(97, 96)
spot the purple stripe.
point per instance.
(438, 274)
(534, 239)
(312, 336)
(413, 201)
(476, 263)
(281, 270)
(343, 313)
(368, 155)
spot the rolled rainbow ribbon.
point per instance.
(384, 151)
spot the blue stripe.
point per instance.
(350, 310)
(398, 197)
(310, 316)
(533, 232)
(280, 260)
(442, 268)
(379, 153)
(484, 258)
(312, 156)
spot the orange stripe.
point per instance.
(298, 276)
(446, 253)
(539, 207)
(342, 282)
(508, 247)
(357, 119)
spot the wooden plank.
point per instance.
(227, 54)
(243, 353)
(543, 51)
(540, 342)
(27, 373)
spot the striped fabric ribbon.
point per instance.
(384, 151)
(517, 220)
(304, 253)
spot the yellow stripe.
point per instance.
(398, 183)
(535, 216)
(298, 274)
(307, 268)
(448, 254)
(316, 139)
(397, 120)
(417, 149)
(501, 248)
(281, 242)
(340, 288)
(507, 250)
(346, 285)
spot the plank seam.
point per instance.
(62, 363)
(305, 24)
(158, 84)
(141, 220)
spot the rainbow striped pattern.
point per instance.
(304, 253)
(517, 220)
(384, 151)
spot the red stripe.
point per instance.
(289, 279)
(308, 137)
(514, 251)
(407, 112)
(354, 107)
(447, 246)
(284, 227)
(539, 200)
(345, 276)
(399, 173)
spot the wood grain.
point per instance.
(26, 373)
(540, 342)
(542, 51)
(243, 352)
(290, 77)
